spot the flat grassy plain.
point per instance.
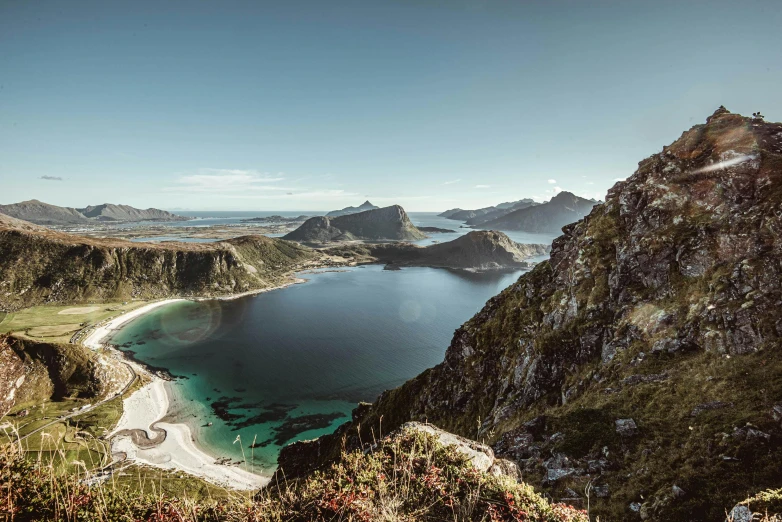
(58, 323)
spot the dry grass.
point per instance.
(406, 477)
(48, 322)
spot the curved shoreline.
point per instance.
(145, 411)
(171, 445)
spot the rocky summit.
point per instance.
(383, 223)
(639, 370)
(353, 210)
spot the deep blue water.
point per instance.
(292, 363)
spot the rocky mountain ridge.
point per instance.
(481, 214)
(353, 210)
(383, 223)
(550, 217)
(41, 213)
(642, 363)
(111, 212)
(500, 211)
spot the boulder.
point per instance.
(481, 456)
(739, 514)
(626, 427)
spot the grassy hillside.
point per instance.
(39, 266)
(408, 476)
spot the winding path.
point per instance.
(119, 395)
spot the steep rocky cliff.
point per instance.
(642, 364)
(40, 266)
(384, 223)
(31, 372)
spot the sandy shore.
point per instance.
(147, 406)
(178, 451)
(95, 339)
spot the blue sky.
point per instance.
(315, 105)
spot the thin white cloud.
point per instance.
(452, 182)
(619, 179)
(552, 181)
(482, 186)
(227, 180)
(557, 190)
(397, 198)
(590, 182)
(304, 195)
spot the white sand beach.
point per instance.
(178, 451)
(95, 338)
(150, 404)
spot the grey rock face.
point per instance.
(626, 427)
(739, 514)
(707, 406)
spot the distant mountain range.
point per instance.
(563, 209)
(41, 213)
(352, 210)
(383, 223)
(478, 250)
(478, 215)
(110, 212)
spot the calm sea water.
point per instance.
(291, 364)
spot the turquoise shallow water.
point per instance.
(292, 363)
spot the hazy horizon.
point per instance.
(305, 105)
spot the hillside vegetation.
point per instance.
(408, 476)
(643, 361)
(41, 266)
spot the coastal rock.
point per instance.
(383, 223)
